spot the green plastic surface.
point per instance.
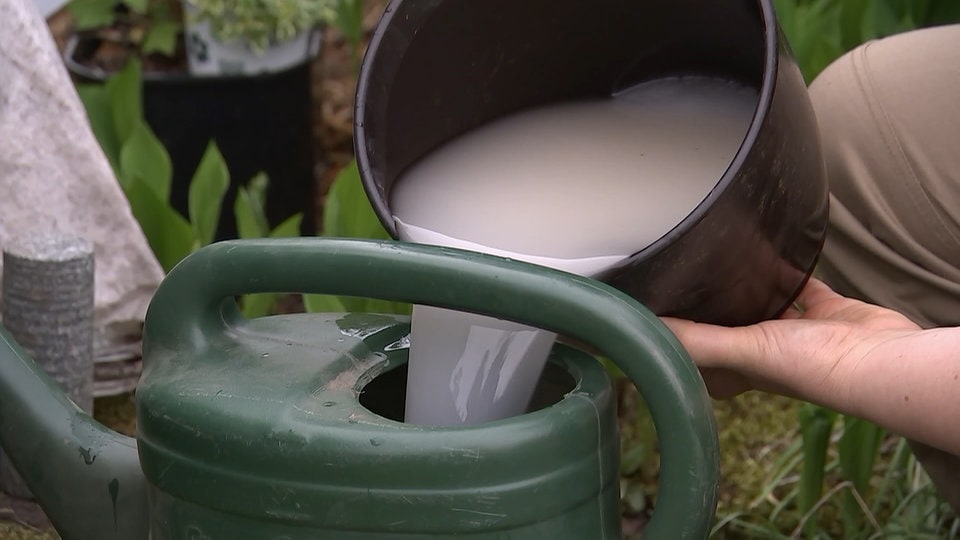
(86, 477)
(252, 429)
(196, 342)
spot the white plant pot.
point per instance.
(209, 57)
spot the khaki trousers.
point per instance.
(889, 115)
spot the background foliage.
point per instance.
(843, 477)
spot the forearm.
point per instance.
(907, 382)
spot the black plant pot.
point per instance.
(436, 69)
(260, 123)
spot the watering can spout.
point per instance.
(86, 477)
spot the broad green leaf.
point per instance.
(125, 90)
(289, 228)
(813, 31)
(347, 212)
(879, 20)
(207, 189)
(168, 233)
(322, 303)
(943, 12)
(819, 56)
(852, 13)
(143, 155)
(786, 11)
(89, 14)
(248, 208)
(349, 20)
(258, 305)
(247, 225)
(96, 101)
(376, 305)
(137, 6)
(162, 38)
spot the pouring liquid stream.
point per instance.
(576, 187)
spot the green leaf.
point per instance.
(813, 31)
(258, 305)
(162, 38)
(349, 20)
(247, 225)
(880, 19)
(347, 212)
(168, 233)
(857, 451)
(943, 12)
(137, 6)
(376, 305)
(289, 228)
(143, 156)
(322, 303)
(248, 208)
(96, 102)
(207, 189)
(125, 89)
(851, 22)
(89, 14)
(816, 424)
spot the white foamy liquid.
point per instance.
(577, 187)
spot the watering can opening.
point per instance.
(386, 393)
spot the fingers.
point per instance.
(715, 346)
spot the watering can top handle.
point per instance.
(190, 304)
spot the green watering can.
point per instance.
(280, 427)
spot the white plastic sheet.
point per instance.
(54, 177)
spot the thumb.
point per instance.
(713, 346)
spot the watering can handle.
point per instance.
(202, 287)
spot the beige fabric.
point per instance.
(54, 177)
(889, 115)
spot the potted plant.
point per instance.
(113, 31)
(253, 36)
(259, 118)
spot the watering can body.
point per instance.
(280, 431)
(289, 426)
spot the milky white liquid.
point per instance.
(577, 187)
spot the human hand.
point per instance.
(814, 347)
